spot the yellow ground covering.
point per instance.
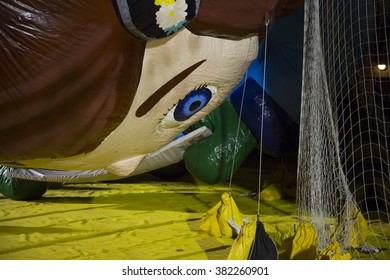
(143, 218)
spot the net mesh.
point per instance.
(343, 163)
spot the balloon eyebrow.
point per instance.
(164, 89)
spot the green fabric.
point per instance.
(211, 159)
(19, 189)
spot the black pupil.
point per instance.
(195, 105)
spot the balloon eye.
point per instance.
(193, 103)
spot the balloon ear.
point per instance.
(153, 19)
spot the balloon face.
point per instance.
(183, 78)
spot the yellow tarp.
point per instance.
(142, 218)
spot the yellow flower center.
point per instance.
(171, 13)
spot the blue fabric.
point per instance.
(283, 80)
(283, 85)
(280, 134)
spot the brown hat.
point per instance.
(218, 18)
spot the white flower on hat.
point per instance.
(172, 15)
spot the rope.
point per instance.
(262, 117)
(237, 132)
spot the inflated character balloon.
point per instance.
(276, 127)
(89, 88)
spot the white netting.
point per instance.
(344, 164)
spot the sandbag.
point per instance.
(333, 252)
(243, 243)
(263, 247)
(304, 243)
(216, 223)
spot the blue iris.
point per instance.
(192, 103)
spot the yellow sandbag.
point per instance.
(353, 229)
(284, 178)
(210, 221)
(215, 222)
(243, 242)
(284, 241)
(271, 193)
(333, 252)
(304, 244)
(228, 210)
